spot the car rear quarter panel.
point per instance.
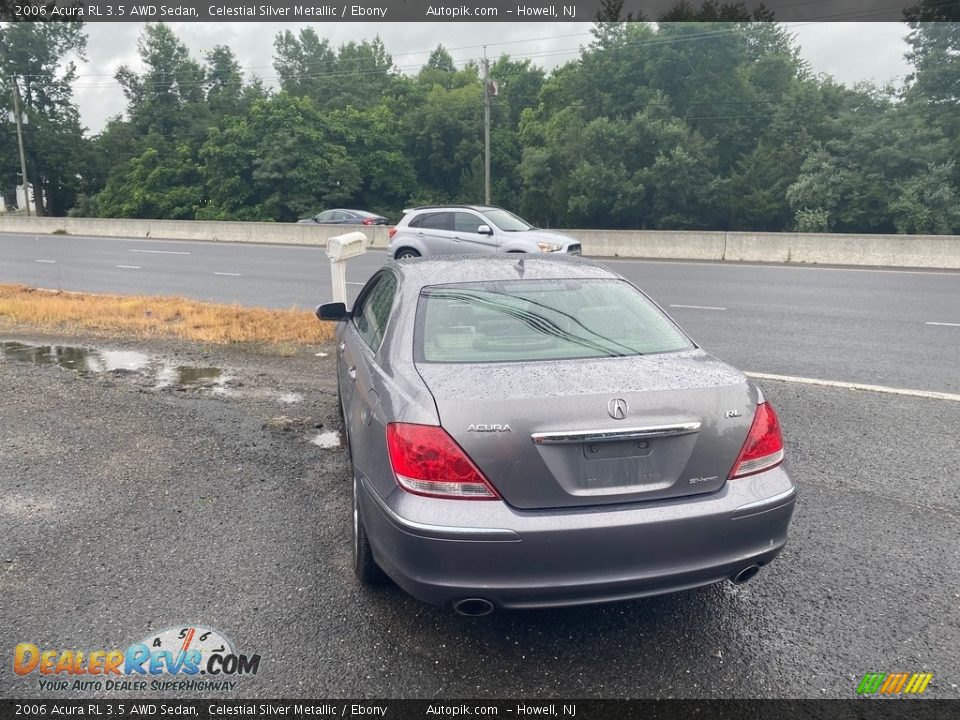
(401, 396)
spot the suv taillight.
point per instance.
(763, 448)
(391, 232)
(427, 461)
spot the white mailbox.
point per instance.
(340, 249)
(344, 247)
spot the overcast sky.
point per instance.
(850, 51)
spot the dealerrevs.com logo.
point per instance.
(190, 658)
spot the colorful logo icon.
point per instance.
(894, 683)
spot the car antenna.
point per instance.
(519, 266)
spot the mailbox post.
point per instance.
(340, 249)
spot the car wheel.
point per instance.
(364, 566)
(404, 253)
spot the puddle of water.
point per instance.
(328, 440)
(75, 358)
(170, 375)
(97, 360)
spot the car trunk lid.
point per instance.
(601, 431)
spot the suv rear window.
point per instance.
(530, 320)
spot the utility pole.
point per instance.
(486, 127)
(23, 159)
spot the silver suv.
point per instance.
(471, 229)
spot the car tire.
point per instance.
(364, 565)
(405, 253)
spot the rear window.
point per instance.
(529, 320)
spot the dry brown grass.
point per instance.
(155, 316)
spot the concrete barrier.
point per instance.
(256, 232)
(936, 251)
(651, 243)
(924, 251)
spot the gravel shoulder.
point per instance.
(126, 508)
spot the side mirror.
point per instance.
(484, 230)
(335, 311)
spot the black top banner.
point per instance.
(469, 11)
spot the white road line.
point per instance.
(129, 267)
(229, 274)
(857, 386)
(699, 307)
(353, 283)
(929, 323)
(45, 261)
(160, 252)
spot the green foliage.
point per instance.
(812, 220)
(157, 184)
(357, 75)
(858, 175)
(714, 122)
(36, 56)
(927, 202)
(168, 98)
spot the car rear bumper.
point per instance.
(442, 551)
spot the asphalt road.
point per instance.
(127, 508)
(896, 328)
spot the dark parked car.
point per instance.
(534, 431)
(345, 217)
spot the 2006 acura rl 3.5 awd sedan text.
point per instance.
(536, 432)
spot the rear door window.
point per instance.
(437, 221)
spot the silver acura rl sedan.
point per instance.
(536, 432)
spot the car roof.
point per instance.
(448, 269)
(479, 208)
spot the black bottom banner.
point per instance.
(862, 709)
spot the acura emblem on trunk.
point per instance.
(617, 408)
(489, 428)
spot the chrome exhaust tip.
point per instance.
(745, 575)
(473, 607)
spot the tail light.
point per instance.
(367, 221)
(763, 448)
(427, 461)
(391, 232)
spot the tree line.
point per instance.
(673, 125)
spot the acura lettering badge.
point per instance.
(617, 408)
